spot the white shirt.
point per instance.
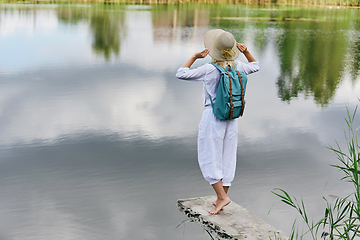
(210, 75)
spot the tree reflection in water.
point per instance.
(312, 59)
(354, 55)
(108, 30)
(73, 15)
(186, 22)
(316, 48)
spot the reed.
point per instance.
(341, 219)
(190, 220)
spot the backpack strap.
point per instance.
(242, 93)
(221, 69)
(231, 98)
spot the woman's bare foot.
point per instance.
(214, 203)
(220, 204)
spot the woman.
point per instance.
(217, 139)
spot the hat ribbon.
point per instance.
(227, 52)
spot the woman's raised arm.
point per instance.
(191, 60)
(242, 48)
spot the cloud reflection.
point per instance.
(89, 142)
(137, 95)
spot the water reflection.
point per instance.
(354, 58)
(98, 132)
(312, 62)
(313, 46)
(73, 15)
(108, 30)
(169, 22)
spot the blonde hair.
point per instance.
(223, 64)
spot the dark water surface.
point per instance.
(98, 137)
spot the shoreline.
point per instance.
(272, 3)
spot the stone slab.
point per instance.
(234, 222)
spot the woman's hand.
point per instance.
(242, 48)
(201, 54)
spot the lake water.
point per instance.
(98, 137)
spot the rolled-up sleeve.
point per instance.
(248, 68)
(196, 74)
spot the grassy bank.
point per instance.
(340, 3)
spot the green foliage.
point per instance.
(342, 215)
(184, 221)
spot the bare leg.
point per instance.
(226, 189)
(222, 198)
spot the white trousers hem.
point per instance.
(212, 182)
(224, 184)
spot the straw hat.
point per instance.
(221, 45)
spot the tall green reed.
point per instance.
(341, 218)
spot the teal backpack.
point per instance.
(230, 94)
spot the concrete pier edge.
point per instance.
(232, 223)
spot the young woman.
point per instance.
(217, 139)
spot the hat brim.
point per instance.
(214, 52)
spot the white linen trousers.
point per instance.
(217, 139)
